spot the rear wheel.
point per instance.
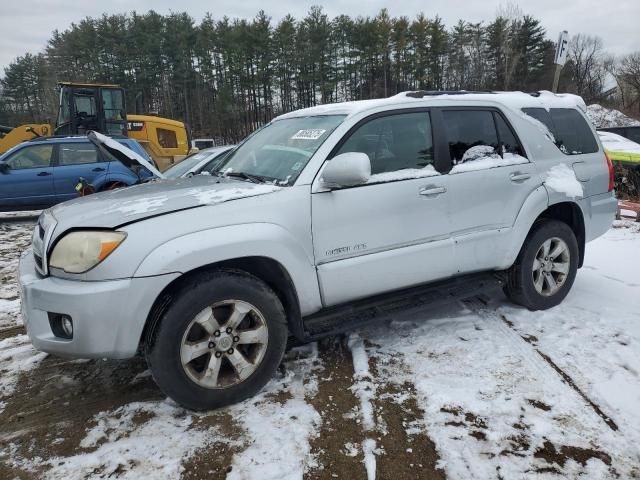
(546, 267)
(219, 342)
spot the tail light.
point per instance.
(610, 167)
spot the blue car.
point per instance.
(43, 172)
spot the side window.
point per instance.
(394, 142)
(573, 134)
(570, 130)
(36, 156)
(77, 154)
(471, 134)
(506, 137)
(167, 138)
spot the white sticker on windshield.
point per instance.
(309, 134)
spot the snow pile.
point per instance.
(618, 143)
(562, 179)
(17, 356)
(405, 174)
(603, 117)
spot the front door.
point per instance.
(28, 181)
(392, 232)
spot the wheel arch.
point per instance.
(270, 271)
(571, 214)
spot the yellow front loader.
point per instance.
(102, 107)
(9, 136)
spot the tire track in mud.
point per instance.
(406, 451)
(397, 439)
(566, 378)
(12, 332)
(531, 342)
(336, 448)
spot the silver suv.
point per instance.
(326, 218)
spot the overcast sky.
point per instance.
(26, 25)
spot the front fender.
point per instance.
(536, 203)
(189, 252)
(120, 177)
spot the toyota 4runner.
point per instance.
(324, 219)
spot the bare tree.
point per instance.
(628, 77)
(586, 65)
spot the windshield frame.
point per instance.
(292, 179)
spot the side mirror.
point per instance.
(4, 167)
(346, 170)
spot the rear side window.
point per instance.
(467, 129)
(77, 154)
(508, 141)
(570, 130)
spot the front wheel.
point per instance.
(546, 267)
(219, 342)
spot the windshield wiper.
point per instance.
(245, 176)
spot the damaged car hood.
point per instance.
(127, 205)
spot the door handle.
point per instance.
(44, 174)
(519, 177)
(98, 169)
(432, 191)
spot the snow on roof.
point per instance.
(513, 100)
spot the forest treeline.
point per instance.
(225, 77)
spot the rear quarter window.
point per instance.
(572, 134)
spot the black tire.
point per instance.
(201, 291)
(520, 287)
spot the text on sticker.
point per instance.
(308, 134)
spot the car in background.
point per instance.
(45, 171)
(203, 161)
(632, 133)
(202, 143)
(619, 148)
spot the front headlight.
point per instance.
(82, 250)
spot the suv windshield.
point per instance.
(280, 151)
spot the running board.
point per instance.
(342, 318)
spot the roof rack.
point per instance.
(433, 93)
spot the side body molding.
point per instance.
(194, 250)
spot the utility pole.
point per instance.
(560, 58)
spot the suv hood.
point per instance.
(127, 205)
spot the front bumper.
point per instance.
(108, 316)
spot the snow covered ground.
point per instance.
(478, 389)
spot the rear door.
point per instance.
(75, 160)
(29, 181)
(489, 182)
